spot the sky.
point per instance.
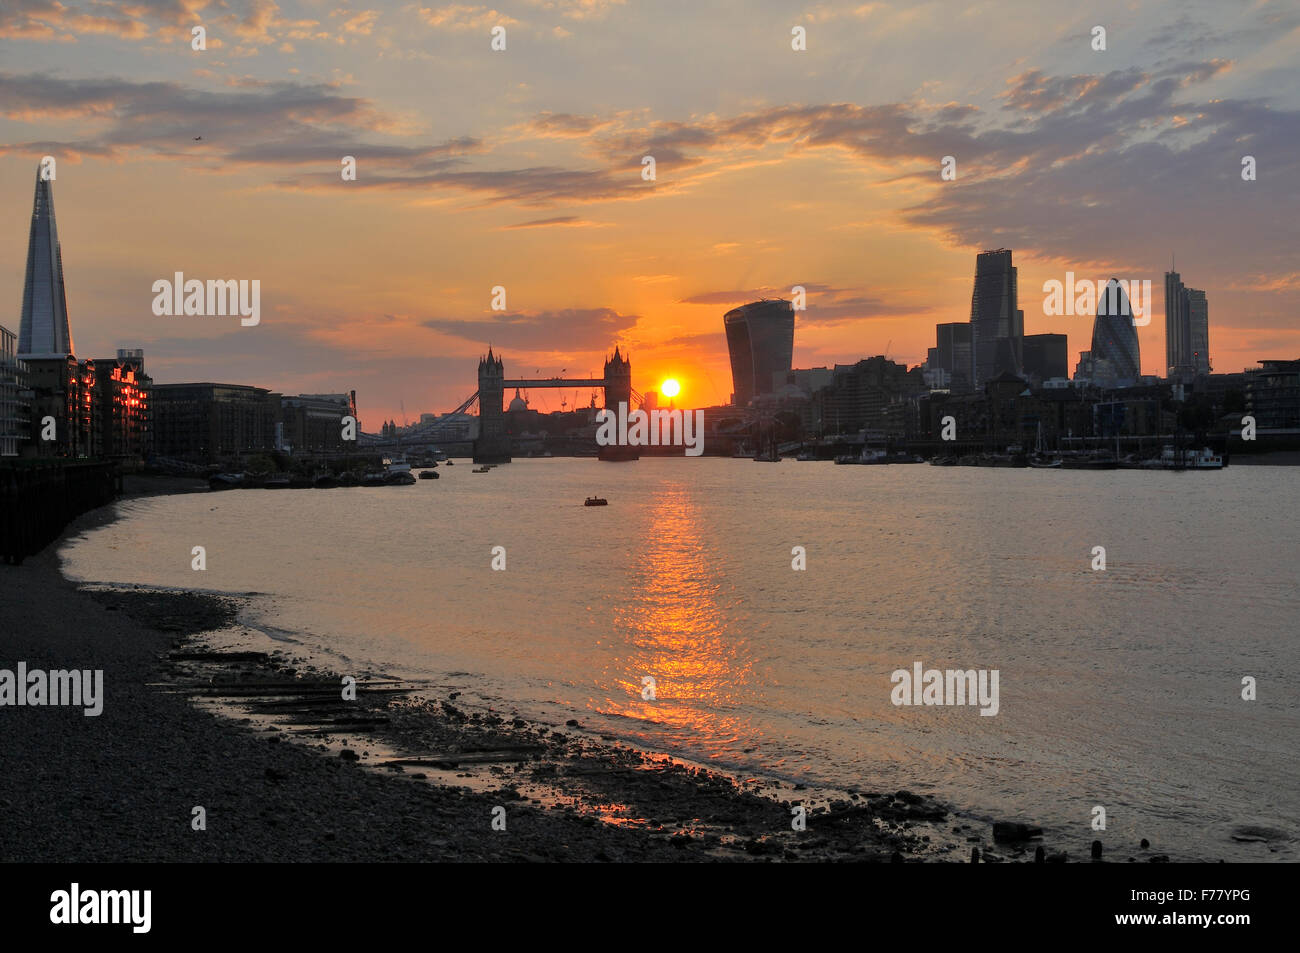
(523, 168)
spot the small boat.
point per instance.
(450, 462)
(399, 478)
(1045, 463)
(429, 474)
(279, 481)
(868, 456)
(595, 501)
(1172, 458)
(481, 469)
(806, 455)
(374, 478)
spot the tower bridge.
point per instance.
(493, 443)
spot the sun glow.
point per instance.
(670, 388)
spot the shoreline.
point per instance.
(288, 771)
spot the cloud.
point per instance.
(566, 330)
(571, 221)
(461, 17)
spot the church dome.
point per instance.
(517, 404)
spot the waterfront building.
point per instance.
(313, 423)
(120, 406)
(15, 397)
(760, 340)
(997, 325)
(1273, 394)
(866, 395)
(202, 423)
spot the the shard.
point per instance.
(44, 332)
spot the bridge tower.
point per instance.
(618, 382)
(493, 444)
(618, 389)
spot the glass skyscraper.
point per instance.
(997, 324)
(1115, 355)
(760, 339)
(1187, 329)
(44, 332)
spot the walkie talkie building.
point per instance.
(760, 338)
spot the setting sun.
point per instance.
(670, 388)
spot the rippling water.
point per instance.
(1118, 688)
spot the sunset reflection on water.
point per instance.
(673, 630)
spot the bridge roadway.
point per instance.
(555, 382)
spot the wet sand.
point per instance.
(287, 770)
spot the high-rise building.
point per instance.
(1046, 356)
(1198, 327)
(1116, 360)
(951, 355)
(1187, 329)
(44, 333)
(760, 339)
(1177, 329)
(997, 324)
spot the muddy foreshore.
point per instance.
(287, 769)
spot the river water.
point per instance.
(1119, 688)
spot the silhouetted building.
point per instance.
(760, 339)
(996, 321)
(15, 397)
(1046, 356)
(870, 394)
(948, 363)
(1116, 361)
(1198, 327)
(1187, 330)
(45, 333)
(313, 423)
(204, 422)
(1273, 394)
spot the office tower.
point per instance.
(1198, 327)
(997, 324)
(44, 333)
(760, 339)
(1187, 329)
(952, 354)
(1116, 359)
(1177, 326)
(1046, 356)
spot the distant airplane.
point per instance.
(197, 138)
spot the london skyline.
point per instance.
(384, 283)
